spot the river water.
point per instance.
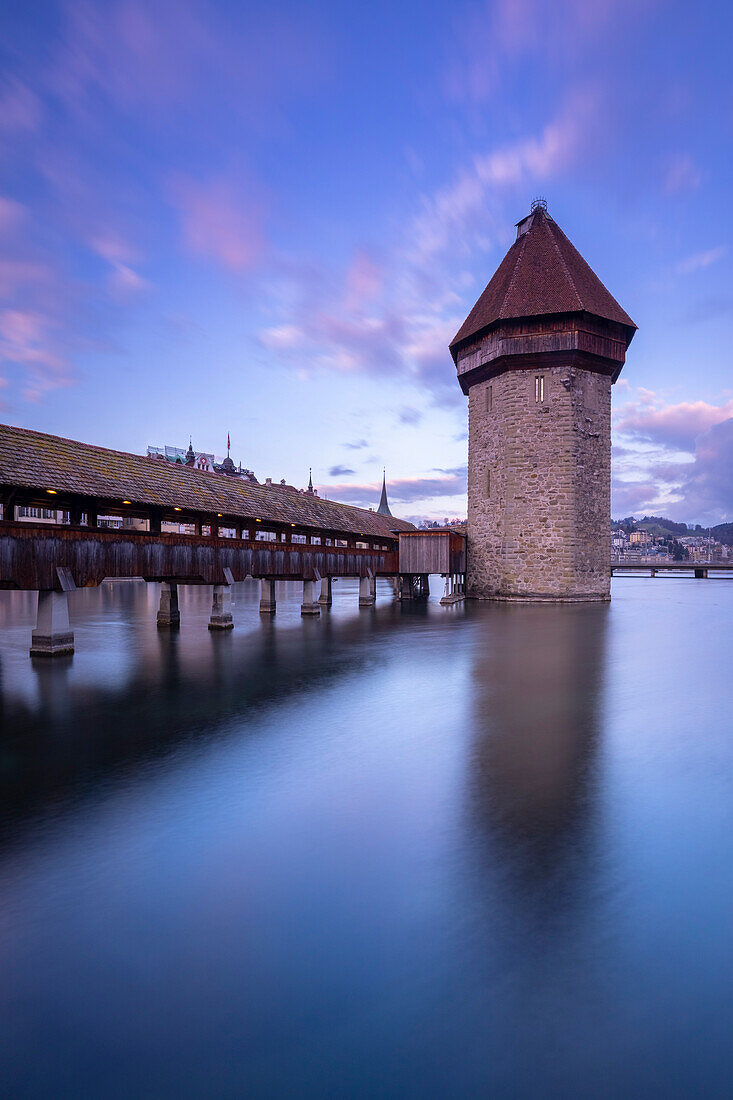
(407, 851)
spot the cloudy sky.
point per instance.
(270, 220)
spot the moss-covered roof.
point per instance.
(34, 460)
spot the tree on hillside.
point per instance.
(666, 524)
(723, 532)
(677, 550)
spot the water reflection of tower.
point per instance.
(537, 698)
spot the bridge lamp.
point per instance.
(127, 502)
(219, 515)
(52, 492)
(176, 509)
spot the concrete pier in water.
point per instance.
(367, 591)
(53, 636)
(221, 608)
(310, 604)
(168, 614)
(268, 603)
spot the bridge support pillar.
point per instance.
(701, 574)
(310, 605)
(326, 597)
(168, 614)
(221, 608)
(414, 586)
(53, 637)
(268, 605)
(454, 589)
(367, 591)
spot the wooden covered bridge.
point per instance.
(74, 514)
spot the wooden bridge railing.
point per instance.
(31, 553)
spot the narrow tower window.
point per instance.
(539, 387)
(489, 398)
(488, 483)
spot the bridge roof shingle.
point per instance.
(34, 460)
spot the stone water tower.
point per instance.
(537, 356)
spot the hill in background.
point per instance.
(661, 527)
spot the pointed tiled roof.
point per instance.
(383, 509)
(541, 273)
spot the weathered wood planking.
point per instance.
(31, 555)
(432, 552)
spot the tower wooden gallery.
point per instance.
(537, 356)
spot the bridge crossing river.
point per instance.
(74, 514)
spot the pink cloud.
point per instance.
(364, 281)
(17, 274)
(123, 281)
(20, 108)
(400, 314)
(700, 260)
(681, 174)
(498, 35)
(697, 491)
(44, 309)
(670, 425)
(115, 249)
(630, 498)
(458, 214)
(707, 488)
(119, 253)
(26, 340)
(100, 214)
(12, 214)
(407, 490)
(158, 55)
(134, 54)
(220, 222)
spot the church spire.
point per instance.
(310, 479)
(383, 508)
(228, 465)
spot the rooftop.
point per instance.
(542, 273)
(34, 460)
(383, 509)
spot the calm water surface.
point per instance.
(482, 850)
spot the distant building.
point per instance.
(30, 514)
(201, 460)
(310, 488)
(383, 509)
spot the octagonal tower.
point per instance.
(537, 356)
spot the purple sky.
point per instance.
(270, 220)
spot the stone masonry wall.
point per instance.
(539, 486)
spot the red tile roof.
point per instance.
(541, 273)
(34, 460)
